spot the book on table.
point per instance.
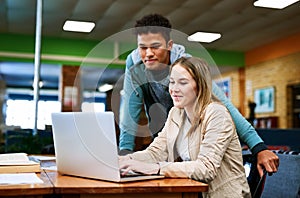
(45, 161)
(17, 163)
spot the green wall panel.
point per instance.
(93, 49)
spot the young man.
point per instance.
(146, 83)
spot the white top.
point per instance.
(182, 141)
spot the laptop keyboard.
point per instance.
(130, 173)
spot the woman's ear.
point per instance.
(170, 44)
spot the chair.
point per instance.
(286, 182)
(25, 141)
(14, 140)
(256, 183)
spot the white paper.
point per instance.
(18, 163)
(20, 178)
(15, 159)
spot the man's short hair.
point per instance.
(153, 23)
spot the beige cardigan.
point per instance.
(214, 150)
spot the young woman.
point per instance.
(199, 139)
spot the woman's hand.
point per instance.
(137, 166)
(124, 158)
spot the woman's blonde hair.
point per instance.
(199, 70)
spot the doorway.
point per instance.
(295, 105)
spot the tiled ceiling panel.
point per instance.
(243, 26)
(235, 19)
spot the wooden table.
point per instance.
(57, 185)
(32, 190)
(70, 186)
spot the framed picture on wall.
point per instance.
(265, 100)
(224, 85)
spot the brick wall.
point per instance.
(280, 73)
(234, 86)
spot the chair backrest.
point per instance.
(256, 183)
(286, 182)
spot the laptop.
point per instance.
(86, 146)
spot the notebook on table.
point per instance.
(86, 146)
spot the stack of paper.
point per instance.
(17, 163)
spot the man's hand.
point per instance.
(267, 160)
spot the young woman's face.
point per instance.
(154, 50)
(182, 87)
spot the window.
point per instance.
(93, 107)
(21, 113)
(93, 101)
(20, 107)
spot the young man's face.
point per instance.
(154, 50)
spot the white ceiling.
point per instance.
(243, 26)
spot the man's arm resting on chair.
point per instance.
(265, 159)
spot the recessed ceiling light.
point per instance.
(78, 26)
(277, 4)
(205, 37)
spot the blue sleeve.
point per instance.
(130, 110)
(245, 130)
